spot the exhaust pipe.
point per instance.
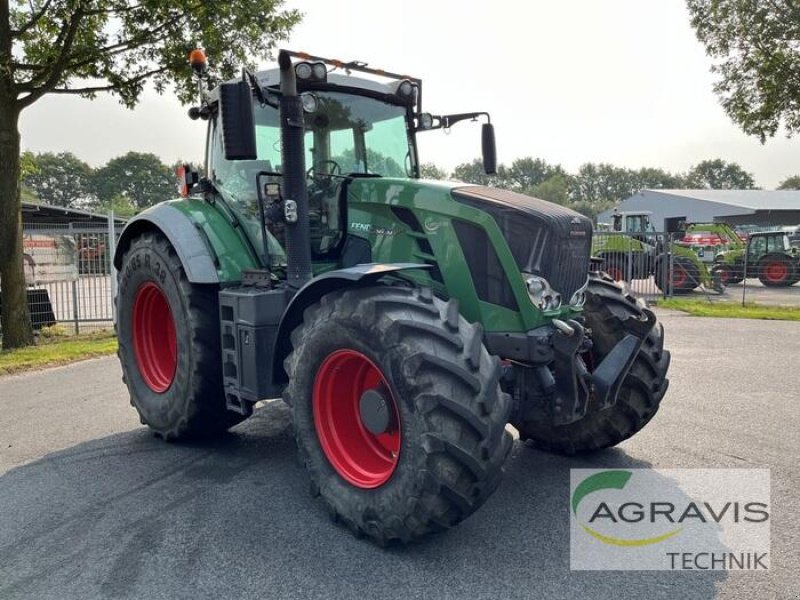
(298, 235)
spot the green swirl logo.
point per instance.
(611, 480)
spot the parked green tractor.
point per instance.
(769, 255)
(633, 250)
(405, 322)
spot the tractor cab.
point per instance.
(633, 222)
(762, 243)
(636, 224)
(358, 123)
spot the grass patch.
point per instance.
(732, 310)
(57, 350)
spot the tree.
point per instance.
(755, 48)
(790, 183)
(60, 180)
(140, 178)
(120, 206)
(431, 171)
(526, 173)
(555, 189)
(27, 165)
(472, 172)
(602, 184)
(657, 179)
(86, 47)
(719, 175)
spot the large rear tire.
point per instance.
(169, 344)
(776, 271)
(431, 448)
(639, 398)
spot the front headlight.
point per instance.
(540, 292)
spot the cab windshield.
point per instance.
(345, 135)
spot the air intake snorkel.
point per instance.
(298, 237)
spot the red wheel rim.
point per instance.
(616, 273)
(679, 276)
(360, 457)
(776, 271)
(154, 340)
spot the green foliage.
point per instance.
(84, 47)
(472, 172)
(719, 175)
(602, 184)
(126, 184)
(122, 45)
(554, 189)
(790, 183)
(54, 348)
(732, 310)
(28, 195)
(140, 178)
(60, 179)
(599, 186)
(120, 205)
(431, 171)
(27, 165)
(754, 45)
(657, 179)
(528, 173)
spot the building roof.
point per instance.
(747, 199)
(51, 215)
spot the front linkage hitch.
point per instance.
(571, 383)
(559, 382)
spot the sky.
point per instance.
(573, 81)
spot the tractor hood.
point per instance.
(546, 239)
(506, 198)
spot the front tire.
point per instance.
(776, 271)
(640, 395)
(434, 451)
(169, 344)
(684, 275)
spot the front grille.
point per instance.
(545, 239)
(488, 277)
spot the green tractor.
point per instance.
(630, 249)
(769, 255)
(405, 322)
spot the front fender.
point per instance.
(210, 249)
(314, 290)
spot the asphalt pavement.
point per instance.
(93, 506)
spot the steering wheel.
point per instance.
(335, 169)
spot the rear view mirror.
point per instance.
(236, 120)
(489, 149)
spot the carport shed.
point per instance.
(762, 208)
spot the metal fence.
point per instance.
(72, 283)
(70, 277)
(656, 265)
